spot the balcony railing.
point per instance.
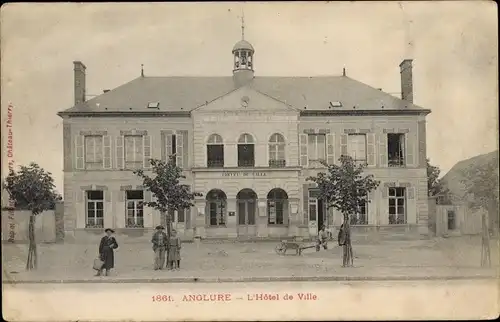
(277, 163)
(215, 163)
(246, 163)
(396, 162)
(95, 223)
(135, 222)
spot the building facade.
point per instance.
(247, 144)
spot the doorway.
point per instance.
(452, 224)
(317, 212)
(246, 206)
(321, 213)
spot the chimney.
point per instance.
(406, 80)
(79, 70)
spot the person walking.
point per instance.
(106, 251)
(174, 252)
(322, 239)
(159, 241)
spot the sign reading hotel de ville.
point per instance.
(244, 174)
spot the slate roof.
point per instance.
(453, 178)
(188, 93)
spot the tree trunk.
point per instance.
(485, 242)
(32, 262)
(347, 257)
(169, 233)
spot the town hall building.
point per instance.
(247, 143)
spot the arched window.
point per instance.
(215, 151)
(277, 207)
(246, 151)
(277, 151)
(215, 208)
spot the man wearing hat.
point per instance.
(106, 251)
(159, 241)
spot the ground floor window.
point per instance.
(397, 205)
(135, 208)
(277, 207)
(216, 206)
(361, 217)
(178, 216)
(95, 209)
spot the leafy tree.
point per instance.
(344, 188)
(32, 188)
(169, 193)
(434, 185)
(481, 184)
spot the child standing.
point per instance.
(174, 251)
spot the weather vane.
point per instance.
(242, 24)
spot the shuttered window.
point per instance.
(356, 147)
(134, 150)
(94, 156)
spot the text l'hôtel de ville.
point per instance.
(227, 297)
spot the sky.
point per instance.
(453, 45)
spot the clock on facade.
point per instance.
(244, 101)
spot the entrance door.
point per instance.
(317, 212)
(321, 213)
(246, 206)
(451, 220)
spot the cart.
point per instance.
(284, 245)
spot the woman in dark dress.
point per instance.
(106, 251)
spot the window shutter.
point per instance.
(370, 144)
(168, 145)
(410, 147)
(382, 147)
(106, 151)
(107, 195)
(411, 193)
(286, 211)
(371, 208)
(146, 146)
(187, 219)
(304, 160)
(305, 200)
(343, 144)
(120, 152)
(385, 192)
(147, 196)
(330, 148)
(411, 206)
(179, 149)
(185, 149)
(79, 152)
(80, 196)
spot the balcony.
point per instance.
(135, 222)
(246, 163)
(215, 163)
(396, 162)
(95, 222)
(277, 163)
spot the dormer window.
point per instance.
(335, 104)
(154, 105)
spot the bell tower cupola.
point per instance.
(243, 59)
